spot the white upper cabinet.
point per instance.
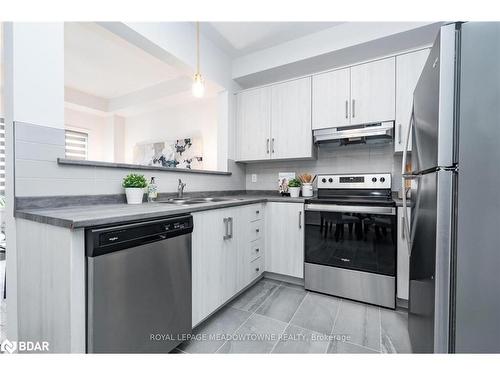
(291, 135)
(373, 90)
(408, 70)
(253, 117)
(331, 99)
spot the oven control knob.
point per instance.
(330, 180)
(374, 179)
(323, 180)
(382, 179)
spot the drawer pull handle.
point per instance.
(257, 269)
(257, 250)
(257, 230)
(257, 212)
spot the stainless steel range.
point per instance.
(351, 238)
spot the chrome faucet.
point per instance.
(180, 189)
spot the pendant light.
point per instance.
(198, 88)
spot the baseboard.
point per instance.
(285, 278)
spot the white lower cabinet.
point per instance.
(227, 255)
(403, 266)
(285, 238)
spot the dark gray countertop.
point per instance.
(100, 214)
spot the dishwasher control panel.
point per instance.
(103, 240)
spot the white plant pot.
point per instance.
(134, 195)
(294, 192)
(307, 190)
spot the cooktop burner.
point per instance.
(349, 189)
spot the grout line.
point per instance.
(251, 313)
(334, 322)
(288, 325)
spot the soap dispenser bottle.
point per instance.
(152, 190)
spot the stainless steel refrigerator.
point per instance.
(454, 299)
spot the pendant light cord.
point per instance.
(197, 48)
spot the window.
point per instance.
(2, 156)
(76, 144)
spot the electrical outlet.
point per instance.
(254, 177)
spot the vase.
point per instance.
(134, 195)
(307, 190)
(294, 192)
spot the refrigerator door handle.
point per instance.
(407, 177)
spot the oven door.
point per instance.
(350, 252)
(361, 238)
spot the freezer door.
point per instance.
(478, 251)
(429, 263)
(434, 105)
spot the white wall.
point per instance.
(100, 130)
(198, 119)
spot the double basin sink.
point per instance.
(188, 201)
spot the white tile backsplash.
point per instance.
(374, 158)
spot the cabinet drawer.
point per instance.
(256, 212)
(256, 249)
(256, 230)
(256, 268)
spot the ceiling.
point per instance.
(241, 38)
(102, 64)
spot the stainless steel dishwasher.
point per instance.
(139, 286)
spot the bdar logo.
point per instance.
(8, 346)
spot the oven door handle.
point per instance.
(351, 209)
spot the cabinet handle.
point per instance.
(300, 219)
(226, 228)
(257, 212)
(399, 133)
(257, 250)
(272, 145)
(231, 227)
(403, 227)
(353, 108)
(267, 145)
(257, 230)
(347, 109)
(257, 269)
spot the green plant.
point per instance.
(134, 181)
(294, 182)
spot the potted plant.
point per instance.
(294, 187)
(134, 185)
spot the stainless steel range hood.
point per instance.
(369, 133)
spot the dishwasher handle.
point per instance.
(105, 240)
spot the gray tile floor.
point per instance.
(277, 317)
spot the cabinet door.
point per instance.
(403, 267)
(213, 262)
(253, 117)
(408, 70)
(373, 91)
(285, 238)
(291, 135)
(330, 99)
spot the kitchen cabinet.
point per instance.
(373, 90)
(291, 136)
(403, 266)
(361, 94)
(285, 238)
(253, 116)
(227, 255)
(331, 92)
(274, 122)
(408, 69)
